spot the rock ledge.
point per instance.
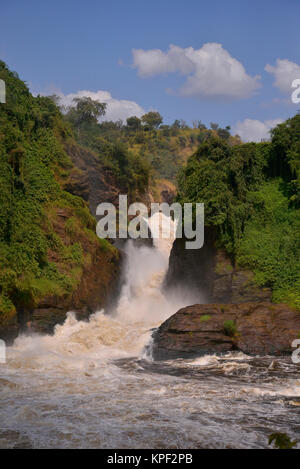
(252, 328)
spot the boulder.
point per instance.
(252, 328)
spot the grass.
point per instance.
(230, 328)
(205, 318)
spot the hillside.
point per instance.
(251, 195)
(143, 146)
(55, 168)
(51, 258)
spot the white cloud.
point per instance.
(116, 109)
(211, 71)
(284, 72)
(252, 130)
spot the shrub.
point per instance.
(230, 328)
(205, 317)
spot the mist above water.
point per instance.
(142, 306)
(89, 384)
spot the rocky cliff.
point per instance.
(210, 275)
(95, 182)
(83, 271)
(96, 282)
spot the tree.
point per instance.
(224, 133)
(55, 98)
(133, 123)
(183, 124)
(85, 111)
(198, 125)
(285, 156)
(214, 126)
(176, 124)
(152, 119)
(88, 110)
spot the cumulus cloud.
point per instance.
(252, 130)
(284, 73)
(211, 71)
(116, 109)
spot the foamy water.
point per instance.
(93, 384)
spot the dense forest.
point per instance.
(250, 191)
(251, 194)
(37, 258)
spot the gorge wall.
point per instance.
(210, 275)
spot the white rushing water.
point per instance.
(92, 384)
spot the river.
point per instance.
(94, 384)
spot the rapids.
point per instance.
(93, 384)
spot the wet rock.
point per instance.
(14, 439)
(252, 328)
(9, 326)
(210, 274)
(222, 278)
(275, 365)
(98, 288)
(193, 269)
(244, 289)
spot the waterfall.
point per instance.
(92, 384)
(142, 306)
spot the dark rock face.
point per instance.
(193, 269)
(210, 275)
(98, 287)
(243, 288)
(97, 184)
(9, 326)
(252, 328)
(167, 192)
(78, 184)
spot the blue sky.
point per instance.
(68, 46)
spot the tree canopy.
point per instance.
(152, 119)
(251, 197)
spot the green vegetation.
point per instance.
(142, 149)
(205, 318)
(251, 191)
(46, 234)
(251, 196)
(230, 328)
(282, 441)
(222, 268)
(42, 227)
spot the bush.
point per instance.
(205, 318)
(230, 328)
(250, 197)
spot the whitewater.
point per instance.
(94, 384)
